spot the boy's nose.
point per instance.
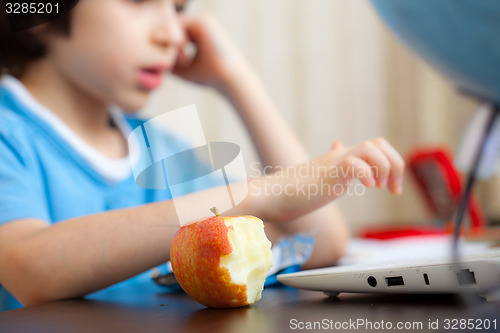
(168, 30)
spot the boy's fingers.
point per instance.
(194, 28)
(397, 165)
(355, 167)
(377, 160)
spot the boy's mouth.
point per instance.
(150, 78)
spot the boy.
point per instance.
(72, 219)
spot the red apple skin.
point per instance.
(195, 257)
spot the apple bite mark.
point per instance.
(222, 261)
(251, 257)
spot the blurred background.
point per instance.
(335, 71)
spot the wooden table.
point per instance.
(148, 308)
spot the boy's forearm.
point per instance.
(85, 254)
(330, 232)
(275, 142)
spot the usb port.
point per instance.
(465, 276)
(393, 281)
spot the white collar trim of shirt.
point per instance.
(113, 170)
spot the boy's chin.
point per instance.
(129, 110)
(133, 105)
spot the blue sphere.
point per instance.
(460, 38)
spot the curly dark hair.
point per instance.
(19, 44)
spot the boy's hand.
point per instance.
(373, 162)
(215, 59)
(303, 188)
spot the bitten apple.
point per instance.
(222, 261)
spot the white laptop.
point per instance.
(421, 265)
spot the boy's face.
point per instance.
(118, 49)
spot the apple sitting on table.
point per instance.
(222, 261)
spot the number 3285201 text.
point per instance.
(31, 8)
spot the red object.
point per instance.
(397, 232)
(441, 185)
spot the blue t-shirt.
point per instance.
(43, 177)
